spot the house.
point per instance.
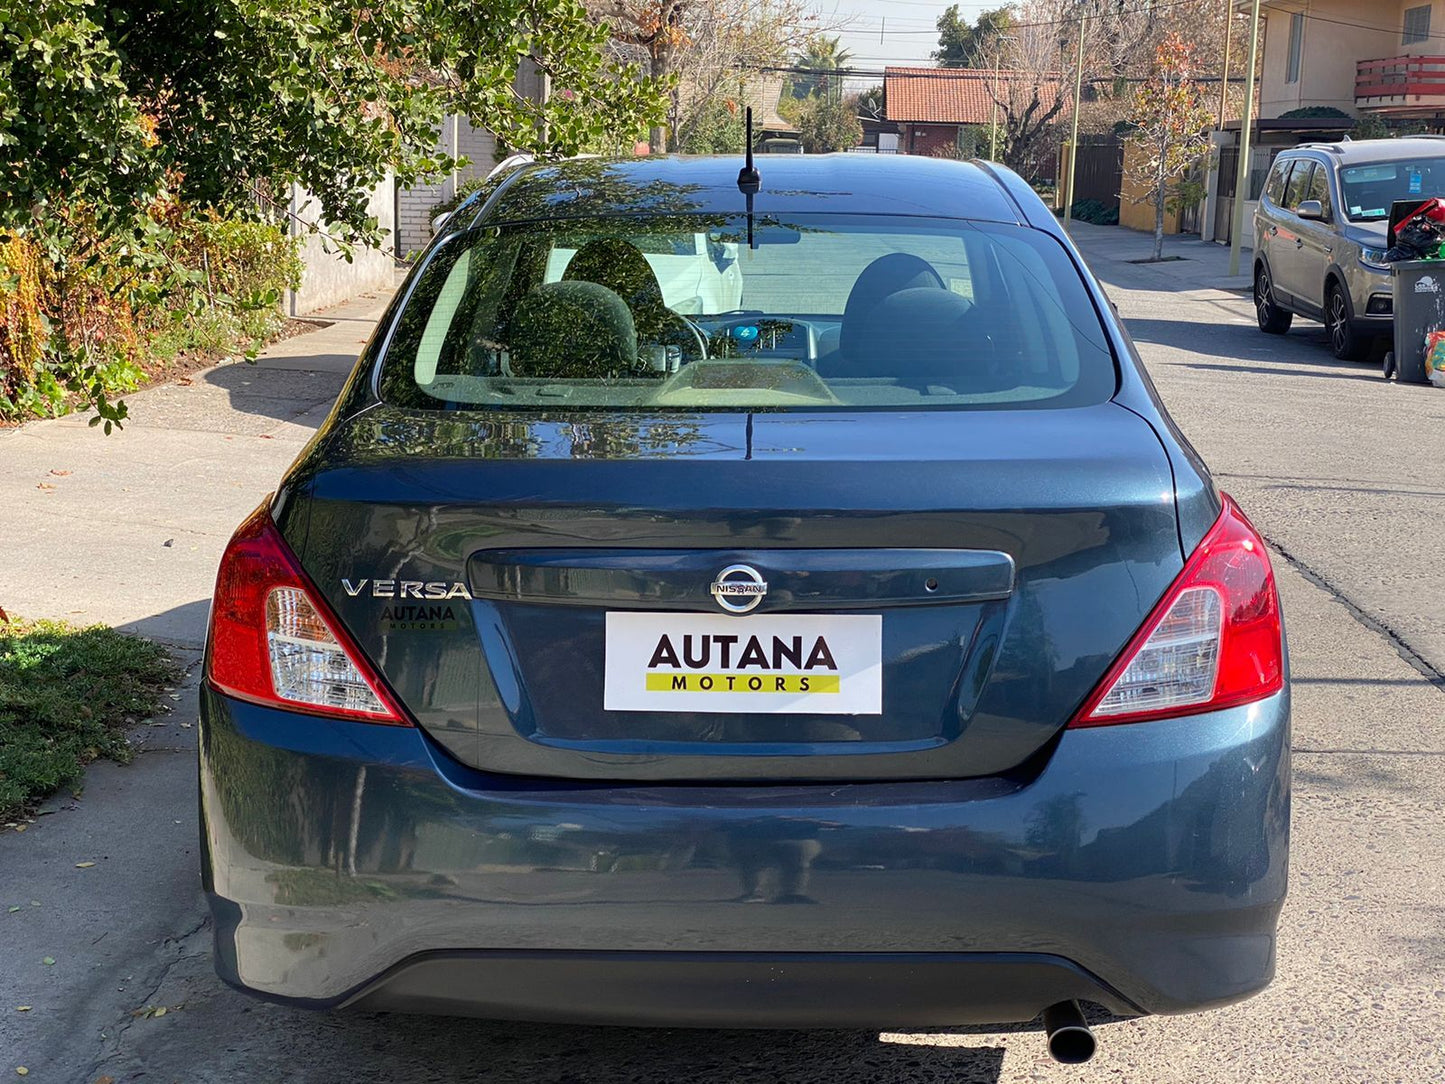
(1348, 58)
(1361, 56)
(935, 107)
(762, 93)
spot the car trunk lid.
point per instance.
(534, 588)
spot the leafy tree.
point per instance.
(703, 48)
(67, 123)
(334, 94)
(1171, 124)
(826, 125)
(1370, 126)
(718, 128)
(971, 45)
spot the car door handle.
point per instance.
(1274, 231)
(1299, 242)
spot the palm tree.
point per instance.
(822, 55)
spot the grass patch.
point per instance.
(66, 697)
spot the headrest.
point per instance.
(921, 336)
(572, 329)
(621, 267)
(884, 276)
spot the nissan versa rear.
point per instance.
(719, 607)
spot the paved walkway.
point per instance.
(1190, 264)
(128, 529)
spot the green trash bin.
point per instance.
(1419, 310)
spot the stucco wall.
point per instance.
(328, 278)
(1139, 215)
(1330, 50)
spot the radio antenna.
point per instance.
(749, 180)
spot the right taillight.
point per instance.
(1214, 641)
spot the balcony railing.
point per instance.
(1399, 79)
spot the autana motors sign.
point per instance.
(775, 664)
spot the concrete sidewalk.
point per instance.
(128, 529)
(1189, 264)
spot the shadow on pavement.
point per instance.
(281, 393)
(183, 625)
(1245, 343)
(554, 1054)
(1260, 370)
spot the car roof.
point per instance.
(1375, 150)
(791, 184)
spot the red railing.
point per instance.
(1400, 77)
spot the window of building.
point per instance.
(1296, 47)
(1417, 25)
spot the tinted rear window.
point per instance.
(692, 312)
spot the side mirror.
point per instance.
(1311, 209)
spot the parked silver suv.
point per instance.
(1320, 234)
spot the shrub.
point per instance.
(84, 316)
(1095, 211)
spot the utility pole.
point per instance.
(1224, 76)
(1074, 126)
(993, 127)
(1241, 176)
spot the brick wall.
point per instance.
(459, 138)
(927, 139)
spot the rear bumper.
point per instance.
(1142, 867)
(737, 989)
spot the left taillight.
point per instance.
(274, 640)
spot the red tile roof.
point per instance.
(957, 95)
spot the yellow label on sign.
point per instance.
(742, 683)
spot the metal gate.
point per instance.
(1261, 158)
(1100, 171)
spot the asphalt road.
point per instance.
(1341, 471)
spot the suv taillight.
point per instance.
(1213, 641)
(273, 639)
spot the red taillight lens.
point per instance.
(1214, 640)
(273, 639)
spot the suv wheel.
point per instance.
(1344, 343)
(1273, 320)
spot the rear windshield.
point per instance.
(692, 312)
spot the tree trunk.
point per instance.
(661, 67)
(1159, 197)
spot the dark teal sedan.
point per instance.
(778, 604)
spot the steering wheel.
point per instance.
(697, 334)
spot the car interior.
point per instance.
(990, 327)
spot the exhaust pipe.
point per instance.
(1069, 1038)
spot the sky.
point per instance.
(907, 28)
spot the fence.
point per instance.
(1100, 170)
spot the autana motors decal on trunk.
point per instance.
(774, 664)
